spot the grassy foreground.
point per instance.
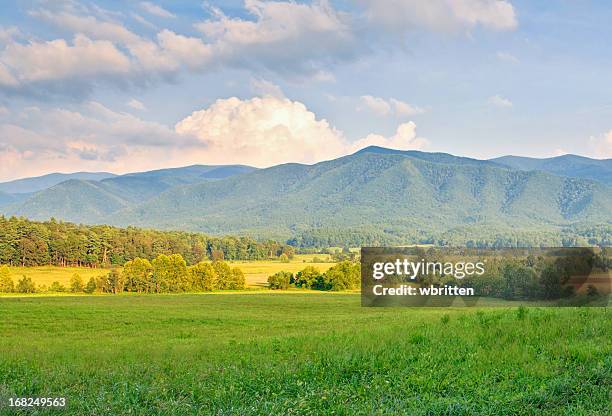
(301, 353)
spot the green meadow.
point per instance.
(264, 352)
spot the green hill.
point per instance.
(376, 195)
(39, 183)
(566, 165)
(394, 192)
(92, 201)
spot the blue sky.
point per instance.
(124, 86)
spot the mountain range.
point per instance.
(393, 192)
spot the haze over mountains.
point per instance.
(392, 191)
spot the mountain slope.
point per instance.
(566, 165)
(35, 184)
(73, 200)
(390, 190)
(91, 201)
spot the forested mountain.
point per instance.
(92, 201)
(35, 184)
(375, 196)
(566, 165)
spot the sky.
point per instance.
(126, 86)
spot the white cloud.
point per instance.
(376, 104)
(156, 10)
(143, 21)
(22, 64)
(499, 101)
(507, 57)
(391, 106)
(601, 146)
(262, 87)
(269, 130)
(260, 131)
(296, 40)
(282, 36)
(405, 138)
(136, 105)
(38, 141)
(440, 15)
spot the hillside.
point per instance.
(566, 165)
(92, 201)
(386, 195)
(35, 184)
(392, 191)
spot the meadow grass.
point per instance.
(45, 275)
(301, 353)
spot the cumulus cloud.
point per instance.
(405, 138)
(499, 101)
(261, 131)
(440, 15)
(601, 146)
(270, 130)
(391, 106)
(156, 10)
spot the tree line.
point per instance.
(165, 274)
(345, 275)
(30, 243)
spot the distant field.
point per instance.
(256, 272)
(45, 275)
(301, 353)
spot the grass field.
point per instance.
(301, 353)
(256, 272)
(45, 275)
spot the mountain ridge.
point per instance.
(395, 193)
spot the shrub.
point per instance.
(343, 276)
(6, 282)
(280, 280)
(283, 258)
(91, 286)
(76, 283)
(237, 279)
(56, 287)
(26, 285)
(203, 277)
(307, 277)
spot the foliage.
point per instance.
(342, 276)
(30, 243)
(25, 285)
(307, 277)
(76, 283)
(57, 287)
(280, 280)
(6, 281)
